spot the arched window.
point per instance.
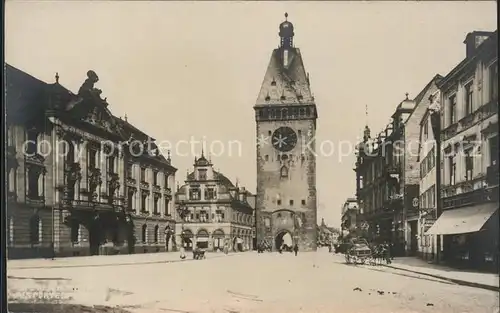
(157, 233)
(284, 171)
(35, 229)
(144, 233)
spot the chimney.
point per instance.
(474, 40)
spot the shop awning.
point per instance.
(464, 220)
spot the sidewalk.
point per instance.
(466, 278)
(109, 260)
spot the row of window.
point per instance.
(291, 202)
(144, 203)
(217, 217)
(209, 194)
(143, 175)
(428, 198)
(284, 157)
(427, 163)
(156, 234)
(284, 113)
(469, 97)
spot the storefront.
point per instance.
(470, 236)
(202, 239)
(218, 240)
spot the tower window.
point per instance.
(303, 202)
(291, 202)
(279, 202)
(269, 133)
(284, 172)
(273, 83)
(266, 158)
(282, 97)
(299, 132)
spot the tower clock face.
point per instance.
(284, 139)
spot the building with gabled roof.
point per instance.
(212, 212)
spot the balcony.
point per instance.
(144, 185)
(156, 188)
(468, 198)
(492, 175)
(167, 191)
(35, 200)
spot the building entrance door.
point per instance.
(413, 238)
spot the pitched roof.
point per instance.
(290, 82)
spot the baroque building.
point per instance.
(212, 212)
(285, 113)
(468, 97)
(67, 157)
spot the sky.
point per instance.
(191, 71)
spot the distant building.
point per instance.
(469, 122)
(217, 212)
(67, 186)
(326, 235)
(350, 212)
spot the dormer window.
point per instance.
(202, 174)
(283, 97)
(273, 83)
(267, 99)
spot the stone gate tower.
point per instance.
(285, 114)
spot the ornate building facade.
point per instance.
(67, 159)
(212, 212)
(285, 113)
(468, 100)
(385, 178)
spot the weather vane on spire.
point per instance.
(286, 16)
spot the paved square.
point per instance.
(247, 282)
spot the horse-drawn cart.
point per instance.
(358, 252)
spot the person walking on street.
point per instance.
(296, 249)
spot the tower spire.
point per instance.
(286, 33)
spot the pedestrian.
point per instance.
(296, 249)
(182, 249)
(387, 248)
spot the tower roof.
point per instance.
(285, 85)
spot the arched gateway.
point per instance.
(283, 240)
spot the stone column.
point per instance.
(122, 173)
(82, 159)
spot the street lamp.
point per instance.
(183, 212)
(435, 114)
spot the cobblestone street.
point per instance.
(247, 282)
